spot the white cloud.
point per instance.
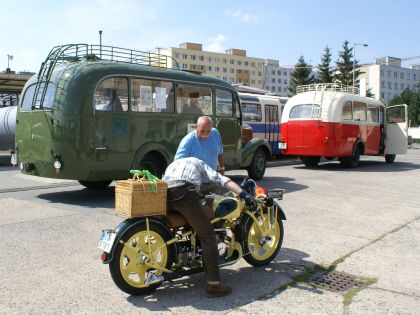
(216, 43)
(242, 16)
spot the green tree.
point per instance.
(369, 93)
(344, 71)
(325, 72)
(301, 75)
(412, 99)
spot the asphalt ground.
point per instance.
(364, 222)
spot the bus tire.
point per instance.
(310, 161)
(258, 164)
(353, 160)
(390, 158)
(153, 164)
(95, 185)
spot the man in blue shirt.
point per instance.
(203, 143)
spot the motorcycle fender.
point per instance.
(124, 227)
(281, 212)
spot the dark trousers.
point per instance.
(189, 206)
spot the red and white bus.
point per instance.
(328, 120)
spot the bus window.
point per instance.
(372, 114)
(347, 111)
(304, 111)
(27, 98)
(359, 111)
(251, 112)
(224, 103)
(112, 95)
(193, 99)
(152, 96)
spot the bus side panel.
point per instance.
(351, 132)
(310, 137)
(373, 139)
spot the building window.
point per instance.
(201, 58)
(239, 63)
(383, 84)
(389, 73)
(184, 66)
(210, 59)
(232, 62)
(279, 89)
(273, 72)
(278, 72)
(285, 81)
(402, 75)
(396, 85)
(273, 80)
(224, 70)
(402, 86)
(278, 80)
(414, 76)
(285, 73)
(224, 60)
(217, 69)
(389, 85)
(209, 68)
(382, 72)
(395, 74)
(267, 87)
(193, 67)
(382, 94)
(232, 70)
(246, 63)
(192, 57)
(202, 68)
(184, 56)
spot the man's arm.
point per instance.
(184, 148)
(221, 164)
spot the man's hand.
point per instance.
(249, 200)
(221, 170)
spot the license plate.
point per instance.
(276, 193)
(282, 145)
(106, 240)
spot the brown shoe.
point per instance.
(217, 290)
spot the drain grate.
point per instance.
(336, 281)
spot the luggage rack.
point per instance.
(73, 53)
(323, 87)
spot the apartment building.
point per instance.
(233, 66)
(387, 78)
(277, 77)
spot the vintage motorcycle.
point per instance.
(143, 252)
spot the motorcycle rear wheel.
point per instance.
(128, 270)
(261, 251)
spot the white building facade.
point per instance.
(276, 78)
(387, 79)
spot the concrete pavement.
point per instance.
(364, 222)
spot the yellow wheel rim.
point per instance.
(136, 251)
(262, 246)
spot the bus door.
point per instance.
(272, 127)
(112, 134)
(396, 129)
(228, 123)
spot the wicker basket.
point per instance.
(135, 198)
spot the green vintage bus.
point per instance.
(94, 112)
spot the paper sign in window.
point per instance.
(160, 100)
(145, 96)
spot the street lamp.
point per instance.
(100, 43)
(9, 57)
(354, 58)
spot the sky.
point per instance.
(281, 30)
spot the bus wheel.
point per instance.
(257, 168)
(152, 164)
(353, 160)
(390, 158)
(95, 185)
(310, 161)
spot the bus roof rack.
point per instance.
(322, 87)
(72, 53)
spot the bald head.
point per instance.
(204, 126)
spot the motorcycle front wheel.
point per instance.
(140, 258)
(261, 248)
